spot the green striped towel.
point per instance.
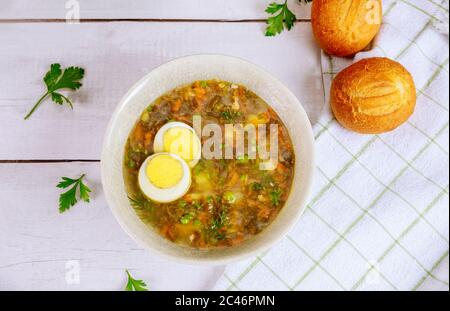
(379, 214)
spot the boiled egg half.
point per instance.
(180, 139)
(164, 177)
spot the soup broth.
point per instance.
(229, 200)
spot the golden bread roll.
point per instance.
(345, 27)
(373, 96)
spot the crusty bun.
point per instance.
(373, 96)
(345, 27)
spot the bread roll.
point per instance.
(373, 96)
(345, 27)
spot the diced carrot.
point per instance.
(165, 230)
(233, 179)
(199, 91)
(281, 168)
(264, 212)
(148, 138)
(237, 240)
(251, 203)
(203, 217)
(176, 105)
(139, 133)
(241, 91)
(168, 231)
(188, 198)
(201, 243)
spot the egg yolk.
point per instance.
(163, 171)
(182, 142)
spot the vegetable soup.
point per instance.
(202, 202)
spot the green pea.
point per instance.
(186, 218)
(197, 223)
(229, 197)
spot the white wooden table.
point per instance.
(117, 42)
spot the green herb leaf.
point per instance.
(210, 199)
(130, 163)
(275, 196)
(214, 231)
(274, 8)
(69, 79)
(69, 198)
(57, 98)
(230, 115)
(256, 186)
(56, 79)
(140, 202)
(66, 182)
(197, 223)
(284, 18)
(134, 285)
(197, 205)
(51, 77)
(182, 203)
(84, 192)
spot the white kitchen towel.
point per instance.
(378, 218)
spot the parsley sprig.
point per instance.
(281, 18)
(56, 79)
(134, 285)
(69, 198)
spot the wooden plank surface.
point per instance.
(115, 55)
(145, 9)
(39, 246)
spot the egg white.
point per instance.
(169, 194)
(158, 143)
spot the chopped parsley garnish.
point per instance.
(230, 115)
(256, 186)
(275, 196)
(140, 202)
(215, 229)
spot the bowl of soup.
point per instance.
(208, 159)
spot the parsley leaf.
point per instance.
(214, 232)
(256, 186)
(230, 115)
(140, 202)
(56, 79)
(69, 198)
(275, 196)
(135, 285)
(285, 18)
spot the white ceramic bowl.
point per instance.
(183, 71)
